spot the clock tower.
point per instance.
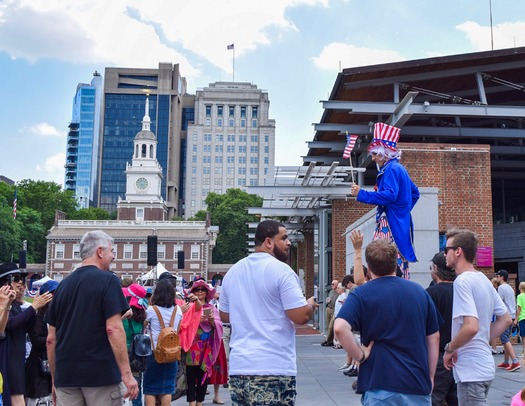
(143, 200)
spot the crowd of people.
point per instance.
(404, 344)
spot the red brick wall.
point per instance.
(463, 179)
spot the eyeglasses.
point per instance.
(19, 278)
(450, 248)
(200, 290)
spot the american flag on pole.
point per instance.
(14, 205)
(350, 144)
(230, 47)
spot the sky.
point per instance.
(293, 49)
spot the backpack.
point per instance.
(139, 350)
(168, 346)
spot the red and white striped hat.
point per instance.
(385, 135)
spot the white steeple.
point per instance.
(146, 121)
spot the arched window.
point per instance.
(143, 150)
(151, 151)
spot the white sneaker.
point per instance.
(350, 367)
(344, 367)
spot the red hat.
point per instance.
(386, 136)
(137, 294)
(202, 284)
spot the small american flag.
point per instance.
(14, 205)
(350, 144)
(230, 47)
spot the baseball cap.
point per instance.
(444, 271)
(166, 275)
(503, 272)
(49, 286)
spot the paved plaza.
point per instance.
(320, 384)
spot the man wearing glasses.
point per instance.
(475, 301)
(86, 342)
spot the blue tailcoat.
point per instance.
(396, 196)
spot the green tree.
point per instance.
(46, 197)
(91, 213)
(9, 232)
(229, 212)
(31, 229)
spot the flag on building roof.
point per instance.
(350, 144)
(14, 205)
(231, 46)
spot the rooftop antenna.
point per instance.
(491, 31)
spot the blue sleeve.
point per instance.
(350, 311)
(387, 190)
(415, 194)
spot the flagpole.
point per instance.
(234, 63)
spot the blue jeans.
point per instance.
(380, 397)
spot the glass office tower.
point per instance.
(83, 143)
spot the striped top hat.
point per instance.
(385, 135)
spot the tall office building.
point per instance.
(83, 143)
(230, 144)
(125, 93)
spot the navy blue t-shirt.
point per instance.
(80, 307)
(397, 315)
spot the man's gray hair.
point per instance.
(91, 241)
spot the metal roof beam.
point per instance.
(301, 191)
(287, 212)
(434, 131)
(435, 109)
(445, 73)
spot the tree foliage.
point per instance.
(91, 213)
(229, 212)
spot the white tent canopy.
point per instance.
(154, 273)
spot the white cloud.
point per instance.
(505, 35)
(339, 54)
(44, 130)
(140, 33)
(53, 168)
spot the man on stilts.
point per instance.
(395, 194)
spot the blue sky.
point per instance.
(291, 48)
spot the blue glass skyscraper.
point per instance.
(83, 143)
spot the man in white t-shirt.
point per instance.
(261, 298)
(475, 301)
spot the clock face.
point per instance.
(142, 183)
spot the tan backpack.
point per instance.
(168, 346)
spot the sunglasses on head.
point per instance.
(18, 278)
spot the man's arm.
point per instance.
(301, 315)
(357, 241)
(343, 332)
(117, 340)
(433, 353)
(51, 345)
(500, 325)
(225, 317)
(468, 330)
(518, 311)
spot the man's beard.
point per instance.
(280, 254)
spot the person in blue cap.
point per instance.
(38, 381)
(395, 195)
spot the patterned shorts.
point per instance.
(259, 390)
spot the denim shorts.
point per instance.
(380, 397)
(262, 390)
(505, 336)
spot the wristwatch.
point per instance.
(448, 350)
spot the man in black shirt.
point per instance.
(442, 292)
(86, 343)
